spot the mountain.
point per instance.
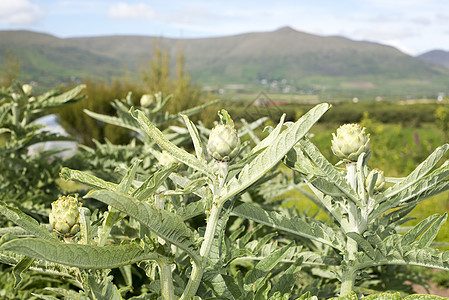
(436, 57)
(303, 60)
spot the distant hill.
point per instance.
(436, 57)
(301, 59)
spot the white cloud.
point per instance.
(124, 10)
(19, 13)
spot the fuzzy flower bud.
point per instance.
(379, 185)
(64, 215)
(349, 142)
(224, 143)
(27, 88)
(146, 100)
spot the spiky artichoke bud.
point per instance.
(27, 88)
(64, 216)
(379, 184)
(349, 142)
(224, 143)
(146, 100)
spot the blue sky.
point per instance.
(413, 26)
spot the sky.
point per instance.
(412, 26)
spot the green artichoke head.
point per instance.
(349, 142)
(27, 88)
(146, 100)
(379, 184)
(224, 143)
(64, 215)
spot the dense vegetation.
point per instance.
(155, 205)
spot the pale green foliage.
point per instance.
(197, 227)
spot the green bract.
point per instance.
(379, 184)
(64, 215)
(224, 143)
(350, 141)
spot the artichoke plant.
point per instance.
(349, 142)
(224, 143)
(376, 179)
(64, 215)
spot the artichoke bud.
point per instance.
(64, 215)
(349, 142)
(146, 100)
(378, 184)
(26, 88)
(224, 143)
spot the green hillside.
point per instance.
(304, 61)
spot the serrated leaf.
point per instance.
(18, 270)
(125, 123)
(363, 243)
(150, 186)
(80, 256)
(23, 220)
(275, 220)
(158, 137)
(87, 179)
(329, 171)
(51, 101)
(165, 224)
(263, 267)
(68, 294)
(197, 144)
(429, 235)
(273, 153)
(417, 230)
(383, 296)
(127, 180)
(418, 173)
(424, 297)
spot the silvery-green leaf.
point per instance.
(417, 230)
(165, 224)
(87, 179)
(67, 294)
(126, 182)
(197, 144)
(21, 267)
(329, 171)
(363, 243)
(152, 183)
(296, 226)
(429, 235)
(44, 103)
(188, 112)
(125, 123)
(158, 137)
(80, 256)
(273, 153)
(23, 220)
(264, 266)
(419, 171)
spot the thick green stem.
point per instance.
(166, 281)
(347, 282)
(209, 235)
(349, 274)
(197, 271)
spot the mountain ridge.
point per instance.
(303, 59)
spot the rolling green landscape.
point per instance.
(169, 211)
(282, 61)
